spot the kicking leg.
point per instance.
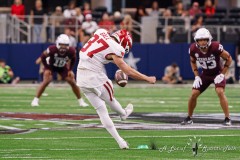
(108, 96)
(107, 122)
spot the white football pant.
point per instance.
(97, 97)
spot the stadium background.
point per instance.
(153, 57)
(60, 129)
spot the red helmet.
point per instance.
(124, 38)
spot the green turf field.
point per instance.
(69, 139)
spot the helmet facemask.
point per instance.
(63, 48)
(204, 46)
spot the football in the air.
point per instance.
(121, 78)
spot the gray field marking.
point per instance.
(167, 121)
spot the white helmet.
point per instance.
(62, 39)
(203, 33)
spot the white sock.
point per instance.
(80, 100)
(117, 107)
(36, 99)
(108, 123)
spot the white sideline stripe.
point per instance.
(26, 157)
(61, 149)
(8, 127)
(181, 136)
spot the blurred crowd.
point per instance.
(79, 22)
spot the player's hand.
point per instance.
(151, 79)
(197, 82)
(219, 78)
(70, 74)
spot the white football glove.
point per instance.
(219, 78)
(197, 82)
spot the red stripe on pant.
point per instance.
(108, 91)
(110, 87)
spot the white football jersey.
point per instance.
(91, 71)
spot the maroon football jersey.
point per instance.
(209, 61)
(57, 60)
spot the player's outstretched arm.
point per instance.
(132, 72)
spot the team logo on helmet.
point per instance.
(124, 38)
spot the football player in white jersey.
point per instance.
(101, 49)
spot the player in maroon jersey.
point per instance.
(59, 58)
(208, 54)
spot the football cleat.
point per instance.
(128, 110)
(123, 144)
(82, 103)
(35, 102)
(227, 122)
(187, 121)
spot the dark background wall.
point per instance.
(153, 58)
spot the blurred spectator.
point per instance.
(155, 9)
(127, 23)
(209, 7)
(141, 12)
(79, 15)
(88, 28)
(70, 11)
(73, 41)
(86, 8)
(197, 24)
(73, 24)
(175, 2)
(179, 11)
(6, 74)
(167, 14)
(18, 9)
(172, 74)
(56, 20)
(117, 18)
(37, 18)
(106, 23)
(194, 10)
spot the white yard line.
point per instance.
(8, 127)
(179, 136)
(12, 157)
